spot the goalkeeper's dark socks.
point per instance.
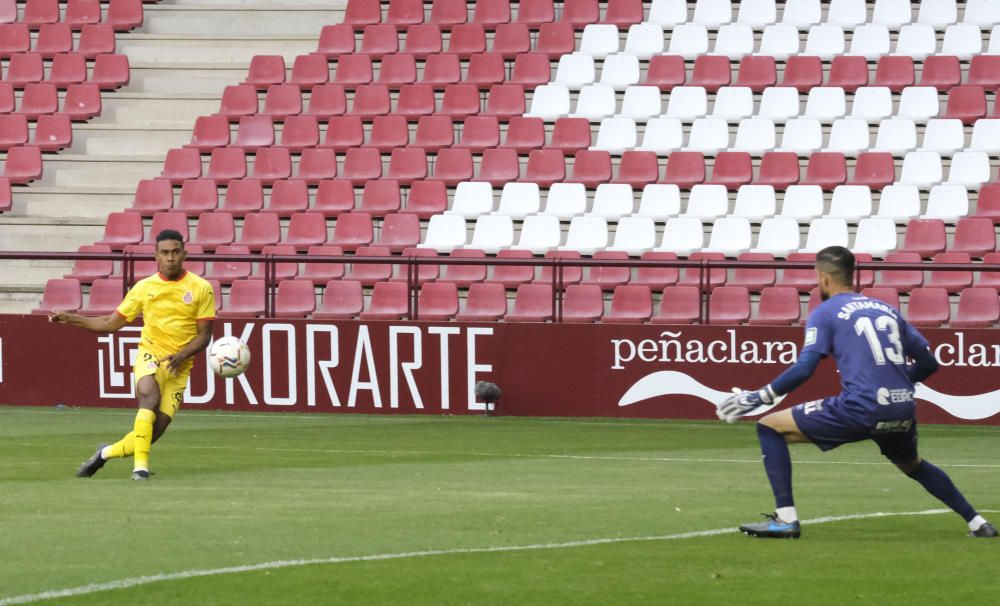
(778, 465)
(937, 482)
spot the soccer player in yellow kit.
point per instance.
(178, 310)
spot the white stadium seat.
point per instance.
(734, 40)
(870, 41)
(848, 14)
(733, 103)
(682, 236)
(778, 236)
(922, 169)
(641, 103)
(896, 136)
(962, 40)
(984, 13)
(587, 235)
(892, 13)
(947, 202)
(616, 135)
(825, 232)
(659, 201)
(492, 233)
(712, 13)
(662, 135)
(596, 102)
(985, 136)
(899, 203)
(779, 103)
(687, 103)
(849, 136)
(872, 104)
(599, 40)
(825, 41)
(938, 13)
(970, 169)
(755, 135)
(946, 136)
(518, 200)
(708, 136)
(919, 103)
(707, 202)
(539, 234)
(826, 103)
(755, 202)
(730, 236)
(575, 70)
(875, 236)
(851, 202)
(994, 47)
(472, 198)
(634, 235)
(916, 40)
(668, 13)
(445, 233)
(549, 102)
(688, 40)
(612, 201)
(757, 13)
(802, 202)
(566, 200)
(779, 40)
(645, 39)
(802, 136)
(620, 71)
(803, 14)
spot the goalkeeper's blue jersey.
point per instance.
(870, 342)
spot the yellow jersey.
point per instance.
(170, 309)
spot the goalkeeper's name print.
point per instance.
(678, 347)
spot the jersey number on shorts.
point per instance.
(886, 324)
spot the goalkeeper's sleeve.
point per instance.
(924, 365)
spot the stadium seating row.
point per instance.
(109, 71)
(56, 38)
(122, 15)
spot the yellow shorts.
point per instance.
(171, 386)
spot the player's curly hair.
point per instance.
(838, 263)
(170, 234)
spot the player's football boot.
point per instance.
(986, 531)
(91, 465)
(773, 528)
(140, 475)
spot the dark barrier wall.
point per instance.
(601, 370)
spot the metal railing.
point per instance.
(413, 264)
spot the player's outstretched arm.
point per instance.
(193, 348)
(743, 402)
(101, 324)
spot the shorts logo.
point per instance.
(188, 297)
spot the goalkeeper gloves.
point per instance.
(744, 402)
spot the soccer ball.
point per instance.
(229, 357)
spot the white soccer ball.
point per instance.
(228, 357)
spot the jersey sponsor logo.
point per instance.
(886, 396)
(188, 297)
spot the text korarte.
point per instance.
(673, 347)
(356, 369)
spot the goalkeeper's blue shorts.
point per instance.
(828, 423)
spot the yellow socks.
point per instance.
(122, 448)
(143, 438)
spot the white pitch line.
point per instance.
(191, 574)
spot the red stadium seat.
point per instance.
(281, 101)
(729, 305)
(401, 231)
(238, 100)
(778, 306)
(388, 133)
(850, 72)
(152, 196)
(637, 168)
(692, 276)
(497, 167)
(442, 70)
(464, 276)
(536, 13)
(197, 196)
(370, 274)
(246, 300)
(802, 279)
(67, 69)
(23, 165)
(990, 279)
(60, 294)
(448, 13)
(13, 131)
(511, 40)
(545, 167)
(353, 71)
(666, 72)
(122, 229)
(685, 169)
(435, 132)
(657, 278)
(342, 300)
(336, 40)
(580, 13)
(333, 197)
(210, 132)
(362, 164)
(294, 299)
(175, 220)
(512, 276)
(460, 100)
(38, 100)
(6, 201)
(214, 229)
(467, 40)
(623, 13)
(928, 307)
(352, 230)
(405, 12)
(15, 38)
(360, 13)
(243, 196)
(381, 197)
(53, 133)
(874, 169)
(525, 134)
(886, 295)
(254, 132)
(408, 164)
(397, 71)
(425, 273)
(903, 280)
(421, 41)
(582, 303)
(8, 11)
(631, 304)
(89, 270)
(952, 281)
(25, 68)
(428, 198)
(142, 268)
(96, 40)
(438, 301)
(531, 70)
(416, 100)
(299, 133)
(53, 38)
(571, 135)
(609, 277)
(679, 305)
(556, 39)
(711, 72)
(288, 196)
(732, 169)
(309, 71)
(124, 15)
(226, 164)
(532, 303)
(282, 271)
(321, 273)
(226, 272)
(260, 230)
(966, 103)
(975, 236)
(803, 72)
(924, 236)
(491, 13)
(326, 101)
(977, 308)
(754, 279)
(82, 102)
(111, 72)
(486, 69)
(305, 230)
(266, 70)
(943, 72)
(344, 133)
(104, 297)
(988, 204)
(826, 169)
(379, 40)
(570, 275)
(984, 70)
(317, 164)
(485, 302)
(371, 100)
(756, 73)
(390, 301)
(895, 72)
(40, 12)
(779, 170)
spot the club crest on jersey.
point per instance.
(188, 297)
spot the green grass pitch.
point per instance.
(234, 489)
